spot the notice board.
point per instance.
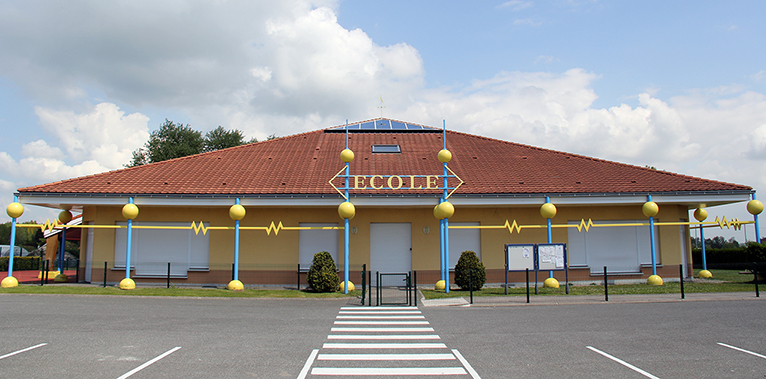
(519, 257)
(551, 256)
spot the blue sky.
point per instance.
(677, 85)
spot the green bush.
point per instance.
(323, 275)
(21, 263)
(753, 252)
(469, 260)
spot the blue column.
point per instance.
(651, 237)
(127, 249)
(550, 233)
(345, 225)
(702, 237)
(757, 228)
(236, 246)
(62, 250)
(446, 220)
(13, 241)
(441, 249)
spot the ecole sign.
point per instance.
(395, 182)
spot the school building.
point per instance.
(291, 189)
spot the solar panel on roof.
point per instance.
(382, 125)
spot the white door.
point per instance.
(461, 240)
(391, 247)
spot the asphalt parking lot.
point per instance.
(120, 337)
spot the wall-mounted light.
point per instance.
(354, 230)
(426, 229)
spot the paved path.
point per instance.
(385, 341)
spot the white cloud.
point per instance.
(516, 5)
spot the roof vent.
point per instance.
(386, 149)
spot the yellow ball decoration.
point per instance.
(654, 280)
(754, 207)
(127, 284)
(237, 212)
(346, 210)
(9, 282)
(14, 210)
(705, 274)
(650, 209)
(235, 285)
(61, 278)
(700, 214)
(346, 155)
(444, 156)
(439, 286)
(343, 285)
(130, 211)
(551, 283)
(548, 210)
(444, 210)
(65, 217)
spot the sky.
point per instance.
(680, 86)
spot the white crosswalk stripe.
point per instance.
(385, 341)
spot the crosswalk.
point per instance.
(384, 341)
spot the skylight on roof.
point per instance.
(386, 149)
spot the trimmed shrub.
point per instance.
(323, 275)
(469, 260)
(20, 263)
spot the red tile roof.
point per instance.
(304, 163)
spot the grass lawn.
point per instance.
(722, 281)
(189, 292)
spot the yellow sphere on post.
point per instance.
(346, 210)
(654, 280)
(343, 286)
(237, 212)
(444, 210)
(130, 211)
(14, 210)
(235, 285)
(650, 209)
(705, 274)
(347, 155)
(700, 214)
(754, 207)
(9, 282)
(65, 217)
(548, 210)
(440, 286)
(551, 283)
(127, 284)
(444, 156)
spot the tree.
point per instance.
(323, 275)
(463, 278)
(220, 138)
(170, 141)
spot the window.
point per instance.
(386, 149)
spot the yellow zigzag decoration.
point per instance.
(276, 229)
(48, 226)
(737, 224)
(512, 227)
(584, 225)
(199, 227)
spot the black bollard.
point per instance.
(683, 296)
(606, 285)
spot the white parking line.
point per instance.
(626, 364)
(742, 350)
(22, 350)
(308, 364)
(379, 371)
(329, 345)
(384, 357)
(145, 365)
(474, 374)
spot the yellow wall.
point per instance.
(256, 247)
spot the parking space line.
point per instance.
(743, 350)
(308, 364)
(147, 364)
(22, 350)
(468, 367)
(626, 364)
